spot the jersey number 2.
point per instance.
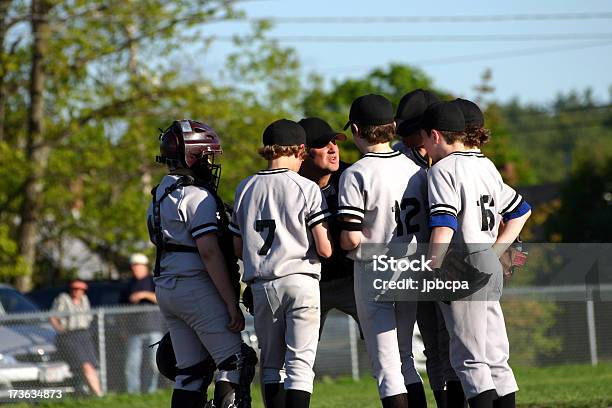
(270, 225)
(416, 207)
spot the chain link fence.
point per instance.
(542, 331)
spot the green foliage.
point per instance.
(106, 94)
(553, 140)
(528, 324)
(586, 203)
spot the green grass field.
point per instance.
(575, 386)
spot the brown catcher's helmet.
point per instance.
(191, 145)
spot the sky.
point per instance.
(533, 71)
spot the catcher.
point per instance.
(196, 295)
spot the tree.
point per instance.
(77, 82)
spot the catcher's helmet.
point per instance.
(192, 145)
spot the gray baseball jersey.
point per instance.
(413, 154)
(274, 211)
(191, 306)
(467, 194)
(387, 193)
(186, 214)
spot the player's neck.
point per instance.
(292, 163)
(378, 148)
(456, 147)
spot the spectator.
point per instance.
(74, 339)
(145, 328)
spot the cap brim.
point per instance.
(326, 138)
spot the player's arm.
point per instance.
(515, 212)
(322, 239)
(212, 257)
(511, 230)
(444, 206)
(351, 209)
(438, 244)
(351, 235)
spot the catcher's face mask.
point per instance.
(192, 145)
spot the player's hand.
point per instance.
(511, 260)
(236, 323)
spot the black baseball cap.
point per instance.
(284, 132)
(445, 116)
(370, 109)
(471, 112)
(319, 133)
(411, 108)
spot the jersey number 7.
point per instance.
(270, 225)
(416, 207)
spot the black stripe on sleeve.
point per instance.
(210, 224)
(311, 216)
(443, 205)
(440, 212)
(348, 207)
(512, 202)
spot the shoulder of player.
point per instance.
(443, 168)
(193, 192)
(306, 185)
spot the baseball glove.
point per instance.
(455, 269)
(512, 259)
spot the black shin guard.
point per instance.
(455, 398)
(395, 401)
(187, 399)
(440, 397)
(507, 401)
(483, 400)
(274, 395)
(297, 399)
(416, 395)
(225, 393)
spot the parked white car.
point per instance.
(27, 349)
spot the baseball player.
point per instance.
(279, 222)
(193, 288)
(323, 166)
(468, 199)
(382, 201)
(443, 381)
(407, 118)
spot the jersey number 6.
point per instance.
(416, 207)
(270, 225)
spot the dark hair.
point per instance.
(375, 134)
(271, 152)
(476, 136)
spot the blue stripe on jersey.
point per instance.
(519, 211)
(443, 220)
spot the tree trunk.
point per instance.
(37, 150)
(4, 5)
